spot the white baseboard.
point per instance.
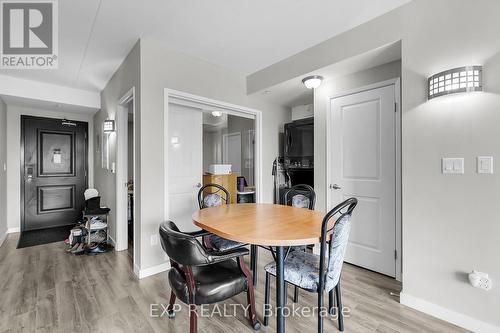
(3, 238)
(143, 273)
(13, 230)
(443, 313)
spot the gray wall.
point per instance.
(330, 88)
(242, 125)
(126, 77)
(151, 69)
(3, 178)
(450, 223)
(14, 114)
(163, 68)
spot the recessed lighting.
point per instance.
(217, 113)
(312, 82)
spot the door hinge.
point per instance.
(395, 107)
(395, 254)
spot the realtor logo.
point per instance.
(29, 34)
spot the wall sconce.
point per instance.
(108, 126)
(457, 80)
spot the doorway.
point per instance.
(54, 175)
(126, 225)
(363, 162)
(201, 133)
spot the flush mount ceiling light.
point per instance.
(312, 82)
(217, 113)
(108, 126)
(461, 79)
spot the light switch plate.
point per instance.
(452, 165)
(485, 164)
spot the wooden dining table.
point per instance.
(265, 225)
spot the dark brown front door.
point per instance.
(54, 171)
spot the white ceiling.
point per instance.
(243, 36)
(292, 92)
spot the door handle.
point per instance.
(335, 187)
(29, 174)
(198, 185)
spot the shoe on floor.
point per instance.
(94, 249)
(79, 250)
(73, 248)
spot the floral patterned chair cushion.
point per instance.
(213, 241)
(212, 200)
(300, 201)
(302, 268)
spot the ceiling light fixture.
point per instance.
(461, 79)
(217, 113)
(312, 82)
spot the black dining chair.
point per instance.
(320, 273)
(214, 195)
(202, 276)
(299, 196)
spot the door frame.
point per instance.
(121, 225)
(23, 117)
(396, 82)
(187, 99)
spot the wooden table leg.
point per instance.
(280, 289)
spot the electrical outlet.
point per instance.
(480, 280)
(154, 239)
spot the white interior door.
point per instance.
(232, 151)
(185, 163)
(363, 160)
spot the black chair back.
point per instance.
(217, 193)
(182, 248)
(338, 243)
(300, 189)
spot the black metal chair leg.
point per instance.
(254, 257)
(338, 296)
(296, 294)
(266, 300)
(331, 303)
(320, 314)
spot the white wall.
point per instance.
(14, 114)
(126, 77)
(450, 223)
(3, 175)
(322, 94)
(162, 68)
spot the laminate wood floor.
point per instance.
(45, 289)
